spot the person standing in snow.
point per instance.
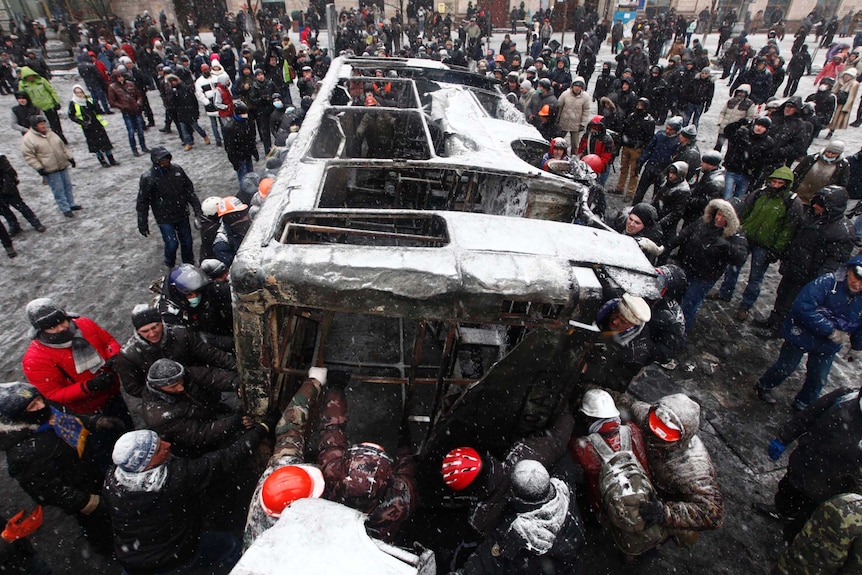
(168, 190)
(46, 153)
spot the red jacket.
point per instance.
(601, 145)
(584, 453)
(52, 370)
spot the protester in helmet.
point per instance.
(235, 222)
(824, 240)
(190, 298)
(558, 151)
(168, 190)
(49, 454)
(597, 141)
(209, 223)
(154, 502)
(689, 498)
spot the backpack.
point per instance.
(623, 486)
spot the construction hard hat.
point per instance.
(594, 162)
(665, 425)
(265, 186)
(460, 467)
(230, 204)
(209, 206)
(599, 403)
(287, 484)
(545, 111)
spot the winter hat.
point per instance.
(205, 68)
(37, 119)
(763, 121)
(712, 158)
(706, 71)
(530, 480)
(849, 72)
(15, 397)
(135, 449)
(165, 372)
(43, 313)
(634, 309)
(526, 84)
(142, 314)
(836, 146)
(646, 212)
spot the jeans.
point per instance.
(691, 114)
(135, 125)
(186, 132)
(759, 265)
(100, 97)
(178, 235)
(215, 124)
(61, 186)
(695, 293)
(25, 210)
(735, 185)
(217, 553)
(817, 371)
(245, 166)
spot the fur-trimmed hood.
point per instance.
(727, 211)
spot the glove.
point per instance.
(144, 230)
(196, 222)
(852, 355)
(840, 337)
(103, 381)
(775, 449)
(649, 247)
(42, 172)
(108, 422)
(270, 420)
(318, 373)
(652, 511)
(20, 526)
(73, 163)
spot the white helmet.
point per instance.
(210, 205)
(599, 403)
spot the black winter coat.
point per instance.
(669, 202)
(707, 186)
(184, 101)
(825, 462)
(603, 86)
(159, 530)
(748, 153)
(821, 244)
(178, 343)
(690, 154)
(706, 252)
(167, 192)
(239, 141)
(94, 132)
(791, 136)
(194, 422)
(8, 181)
(213, 315)
(638, 129)
(656, 90)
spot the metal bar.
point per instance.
(441, 384)
(366, 233)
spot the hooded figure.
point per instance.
(689, 498)
(671, 198)
(823, 241)
(707, 247)
(827, 168)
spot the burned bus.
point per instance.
(434, 260)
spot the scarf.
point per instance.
(68, 428)
(538, 528)
(85, 355)
(76, 99)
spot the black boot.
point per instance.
(103, 161)
(112, 161)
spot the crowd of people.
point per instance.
(131, 439)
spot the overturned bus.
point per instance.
(435, 261)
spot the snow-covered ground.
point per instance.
(96, 264)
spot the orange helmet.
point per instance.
(265, 186)
(594, 162)
(460, 467)
(370, 101)
(662, 425)
(499, 58)
(230, 204)
(545, 111)
(287, 484)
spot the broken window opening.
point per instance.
(415, 230)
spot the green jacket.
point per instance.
(771, 220)
(831, 541)
(42, 93)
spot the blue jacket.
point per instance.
(823, 306)
(659, 151)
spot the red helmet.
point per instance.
(287, 484)
(460, 467)
(594, 162)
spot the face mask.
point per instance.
(278, 104)
(35, 417)
(194, 301)
(823, 88)
(829, 160)
(64, 336)
(243, 116)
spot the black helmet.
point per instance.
(712, 158)
(672, 281)
(240, 107)
(186, 278)
(645, 102)
(764, 121)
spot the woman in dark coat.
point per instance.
(84, 112)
